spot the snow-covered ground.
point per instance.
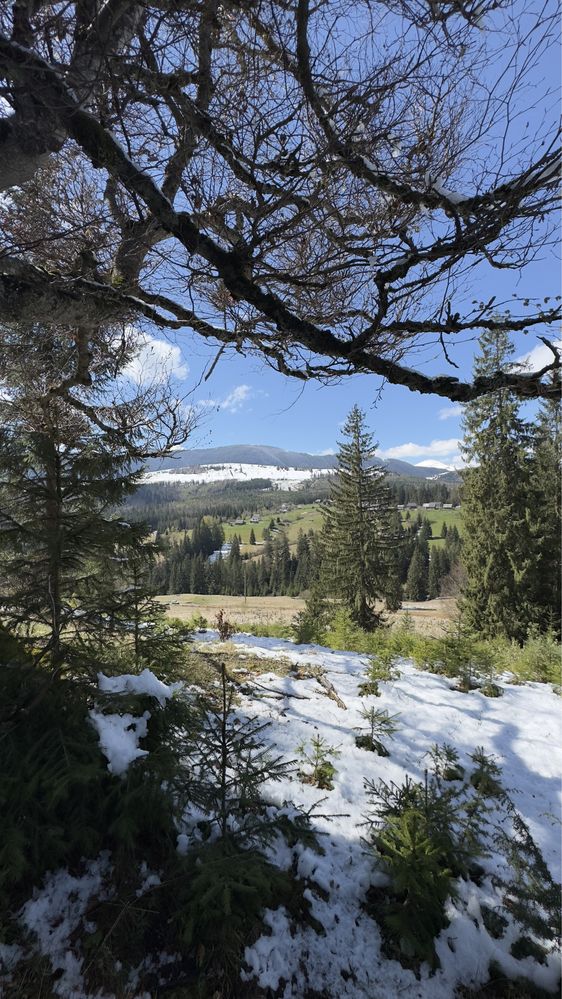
(522, 732)
(285, 478)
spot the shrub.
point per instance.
(539, 659)
(382, 666)
(225, 628)
(318, 758)
(445, 760)
(379, 724)
(204, 773)
(216, 908)
(198, 623)
(344, 633)
(421, 884)
(310, 624)
(427, 834)
(273, 629)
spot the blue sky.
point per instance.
(246, 402)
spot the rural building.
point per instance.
(222, 552)
(254, 519)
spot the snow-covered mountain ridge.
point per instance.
(285, 478)
(251, 461)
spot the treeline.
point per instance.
(430, 565)
(167, 507)
(277, 571)
(420, 491)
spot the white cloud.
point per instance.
(232, 403)
(538, 357)
(450, 412)
(236, 399)
(436, 449)
(155, 361)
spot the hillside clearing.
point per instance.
(428, 616)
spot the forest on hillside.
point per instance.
(168, 507)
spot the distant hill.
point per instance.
(266, 455)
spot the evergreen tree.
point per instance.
(359, 541)
(545, 513)
(397, 555)
(435, 573)
(234, 568)
(198, 575)
(252, 539)
(74, 576)
(60, 481)
(302, 574)
(252, 583)
(417, 581)
(499, 549)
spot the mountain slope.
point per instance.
(269, 456)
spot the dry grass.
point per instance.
(429, 617)
(239, 610)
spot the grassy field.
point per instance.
(438, 517)
(429, 617)
(301, 518)
(307, 517)
(240, 610)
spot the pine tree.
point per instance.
(66, 557)
(302, 574)
(499, 550)
(359, 542)
(198, 576)
(252, 539)
(546, 514)
(417, 581)
(234, 568)
(435, 573)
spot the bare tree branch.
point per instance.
(295, 180)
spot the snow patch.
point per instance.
(55, 913)
(143, 683)
(119, 738)
(286, 478)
